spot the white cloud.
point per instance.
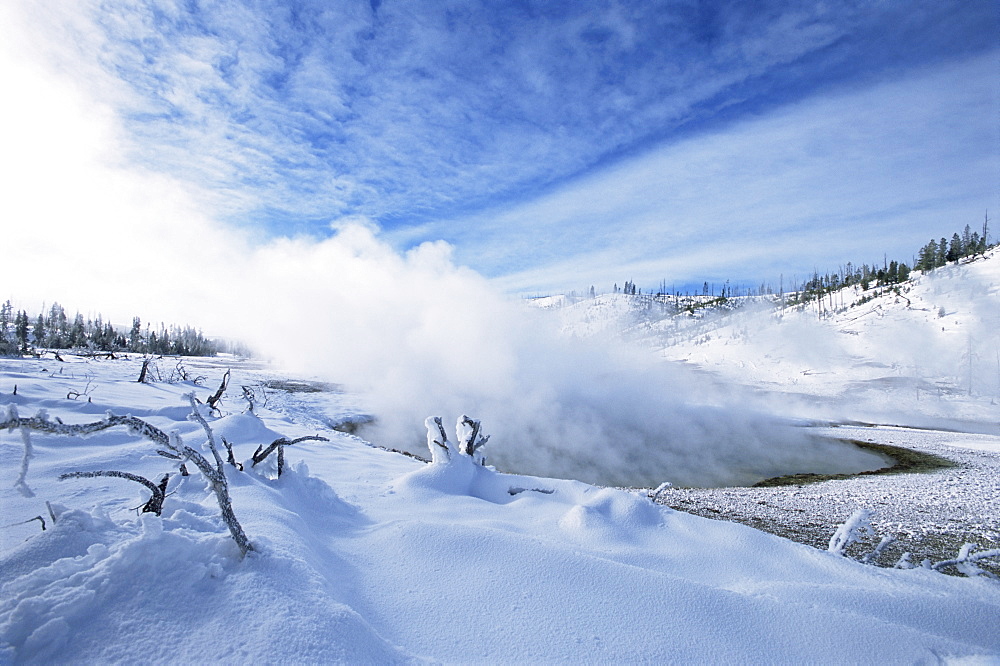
(821, 182)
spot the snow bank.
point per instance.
(365, 556)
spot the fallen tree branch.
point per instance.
(169, 443)
(517, 490)
(155, 503)
(29, 520)
(261, 454)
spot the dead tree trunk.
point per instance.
(142, 373)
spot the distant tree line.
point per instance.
(890, 274)
(53, 329)
(939, 253)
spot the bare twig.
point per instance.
(261, 454)
(155, 503)
(196, 415)
(231, 459)
(171, 443)
(29, 520)
(214, 399)
(249, 396)
(437, 441)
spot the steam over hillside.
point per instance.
(925, 352)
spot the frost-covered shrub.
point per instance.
(857, 526)
(468, 433)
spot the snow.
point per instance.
(363, 555)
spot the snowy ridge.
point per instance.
(926, 356)
(365, 556)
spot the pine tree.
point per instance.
(6, 320)
(21, 331)
(954, 249)
(77, 334)
(38, 332)
(942, 253)
(135, 336)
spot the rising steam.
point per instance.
(420, 336)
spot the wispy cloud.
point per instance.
(549, 143)
(310, 110)
(843, 177)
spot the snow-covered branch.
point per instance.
(171, 445)
(965, 562)
(261, 454)
(854, 528)
(470, 437)
(155, 503)
(437, 440)
(468, 433)
(196, 416)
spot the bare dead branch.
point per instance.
(249, 396)
(261, 454)
(231, 459)
(52, 514)
(29, 520)
(214, 399)
(516, 490)
(196, 415)
(171, 443)
(142, 373)
(155, 503)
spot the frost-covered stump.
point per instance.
(459, 467)
(470, 439)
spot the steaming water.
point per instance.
(418, 336)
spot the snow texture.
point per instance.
(362, 555)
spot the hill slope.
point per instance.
(928, 356)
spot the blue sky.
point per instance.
(558, 144)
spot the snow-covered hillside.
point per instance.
(928, 356)
(361, 555)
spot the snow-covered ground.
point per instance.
(362, 555)
(927, 357)
(366, 556)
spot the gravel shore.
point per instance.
(930, 514)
